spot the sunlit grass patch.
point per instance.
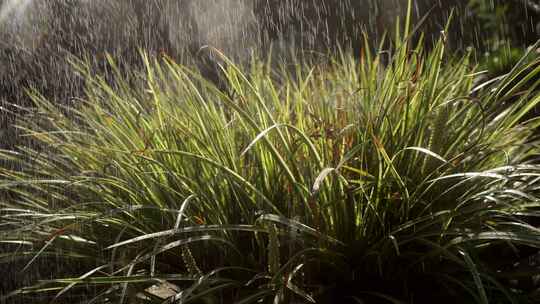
(356, 181)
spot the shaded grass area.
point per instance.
(345, 182)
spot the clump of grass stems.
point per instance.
(353, 182)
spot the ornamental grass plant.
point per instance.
(351, 181)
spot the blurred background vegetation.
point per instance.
(502, 30)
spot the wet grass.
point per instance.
(351, 181)
(364, 178)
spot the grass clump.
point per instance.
(352, 182)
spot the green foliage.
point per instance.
(351, 181)
(501, 31)
(496, 25)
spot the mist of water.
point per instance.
(13, 9)
(236, 27)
